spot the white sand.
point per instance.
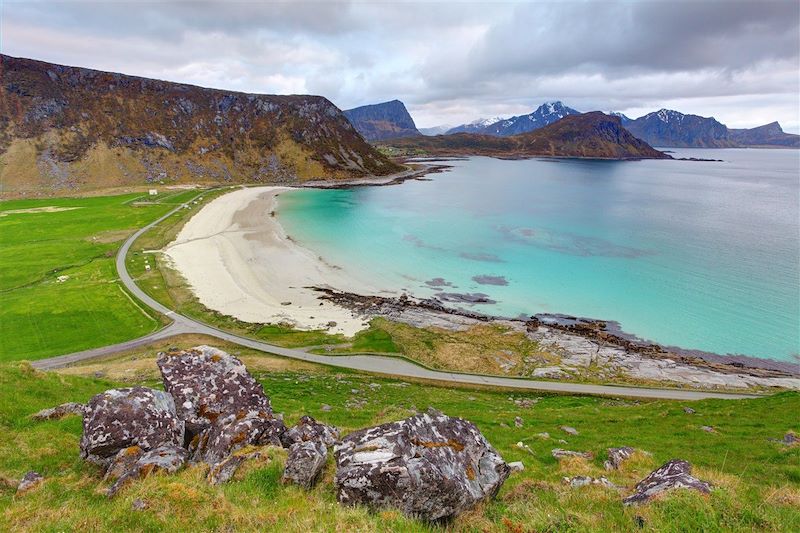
(239, 261)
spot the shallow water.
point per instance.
(700, 255)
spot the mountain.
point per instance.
(435, 130)
(546, 114)
(476, 126)
(767, 135)
(590, 135)
(624, 119)
(671, 128)
(377, 122)
(75, 128)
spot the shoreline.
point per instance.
(239, 261)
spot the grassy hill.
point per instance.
(68, 128)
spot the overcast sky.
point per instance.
(450, 62)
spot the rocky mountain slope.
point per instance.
(591, 135)
(388, 120)
(69, 128)
(767, 135)
(544, 115)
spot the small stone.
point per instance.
(708, 429)
(616, 456)
(325, 407)
(570, 430)
(674, 474)
(286, 303)
(516, 466)
(60, 411)
(543, 435)
(139, 504)
(790, 439)
(517, 421)
(558, 453)
(689, 410)
(332, 324)
(582, 481)
(29, 481)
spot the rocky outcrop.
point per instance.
(616, 456)
(59, 411)
(583, 481)
(305, 463)
(559, 453)
(120, 418)
(387, 120)
(309, 429)
(429, 466)
(675, 474)
(134, 464)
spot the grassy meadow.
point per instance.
(43, 239)
(756, 480)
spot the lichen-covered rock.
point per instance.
(123, 462)
(120, 418)
(29, 481)
(305, 463)
(59, 411)
(209, 384)
(234, 432)
(167, 459)
(616, 456)
(583, 481)
(675, 474)
(429, 466)
(559, 453)
(309, 429)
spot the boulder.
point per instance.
(60, 411)
(570, 430)
(120, 418)
(616, 456)
(429, 466)
(234, 432)
(516, 466)
(309, 429)
(675, 474)
(558, 453)
(29, 481)
(305, 463)
(209, 384)
(168, 458)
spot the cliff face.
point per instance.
(590, 135)
(74, 128)
(388, 120)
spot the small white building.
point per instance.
(153, 192)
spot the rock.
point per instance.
(790, 439)
(429, 466)
(305, 463)
(29, 481)
(139, 504)
(325, 408)
(309, 429)
(544, 435)
(708, 429)
(569, 429)
(689, 410)
(168, 458)
(209, 384)
(616, 456)
(223, 472)
(233, 433)
(123, 462)
(60, 411)
(516, 466)
(558, 453)
(676, 473)
(120, 418)
(582, 481)
(522, 446)
(517, 421)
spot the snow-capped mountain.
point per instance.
(546, 114)
(476, 126)
(436, 130)
(625, 119)
(666, 127)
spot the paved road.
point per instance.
(367, 363)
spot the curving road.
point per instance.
(376, 364)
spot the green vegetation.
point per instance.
(757, 481)
(43, 239)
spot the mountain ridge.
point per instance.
(544, 115)
(386, 120)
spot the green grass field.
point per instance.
(41, 240)
(757, 481)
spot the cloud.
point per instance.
(450, 63)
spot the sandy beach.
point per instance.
(239, 261)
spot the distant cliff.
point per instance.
(590, 135)
(388, 120)
(75, 128)
(767, 135)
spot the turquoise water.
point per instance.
(699, 255)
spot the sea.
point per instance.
(700, 255)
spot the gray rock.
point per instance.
(166, 458)
(675, 474)
(305, 463)
(569, 429)
(139, 504)
(689, 410)
(616, 456)
(325, 408)
(233, 433)
(223, 472)
(60, 411)
(309, 429)
(790, 438)
(582, 481)
(518, 422)
(558, 453)
(120, 418)
(29, 481)
(708, 429)
(429, 466)
(516, 466)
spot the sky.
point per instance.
(450, 62)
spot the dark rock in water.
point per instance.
(674, 474)
(29, 481)
(490, 280)
(467, 298)
(616, 456)
(559, 453)
(309, 429)
(120, 418)
(305, 463)
(438, 282)
(60, 411)
(429, 466)
(209, 384)
(167, 459)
